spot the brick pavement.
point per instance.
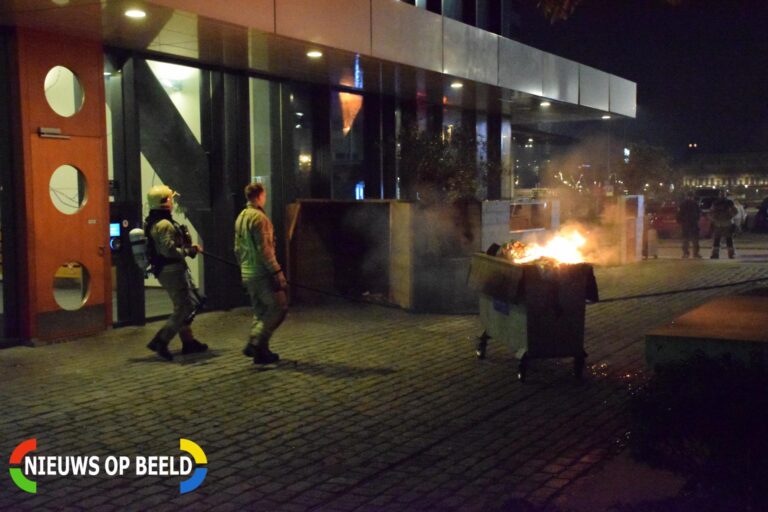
(374, 409)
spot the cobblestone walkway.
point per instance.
(373, 409)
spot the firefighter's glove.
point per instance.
(279, 282)
(193, 250)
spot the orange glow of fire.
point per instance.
(563, 248)
(350, 107)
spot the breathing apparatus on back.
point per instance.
(159, 197)
(139, 249)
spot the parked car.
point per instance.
(664, 221)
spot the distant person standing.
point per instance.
(261, 274)
(688, 217)
(761, 218)
(722, 212)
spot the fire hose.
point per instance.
(684, 290)
(387, 305)
(602, 301)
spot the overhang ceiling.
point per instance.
(187, 37)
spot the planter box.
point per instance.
(431, 251)
(417, 256)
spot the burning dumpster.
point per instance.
(533, 302)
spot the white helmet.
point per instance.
(158, 196)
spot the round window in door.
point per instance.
(71, 285)
(68, 189)
(63, 91)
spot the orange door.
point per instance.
(71, 250)
(65, 233)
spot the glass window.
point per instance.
(451, 120)
(507, 161)
(347, 147)
(481, 133)
(63, 91)
(182, 84)
(510, 20)
(71, 285)
(303, 172)
(68, 189)
(261, 137)
(453, 9)
(488, 15)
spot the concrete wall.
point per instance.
(495, 223)
(401, 260)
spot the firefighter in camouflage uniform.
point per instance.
(261, 274)
(168, 246)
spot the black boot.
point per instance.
(189, 345)
(267, 358)
(264, 355)
(193, 347)
(250, 349)
(160, 347)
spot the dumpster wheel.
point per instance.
(482, 345)
(522, 368)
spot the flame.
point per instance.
(562, 248)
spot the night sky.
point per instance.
(701, 68)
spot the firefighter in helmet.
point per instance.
(168, 246)
(261, 274)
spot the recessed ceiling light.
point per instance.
(314, 54)
(545, 103)
(135, 13)
(606, 117)
(457, 85)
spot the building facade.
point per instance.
(745, 174)
(108, 98)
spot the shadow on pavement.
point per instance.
(178, 358)
(332, 370)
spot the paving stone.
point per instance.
(373, 406)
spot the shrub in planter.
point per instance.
(442, 168)
(445, 179)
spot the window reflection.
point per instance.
(261, 137)
(298, 120)
(347, 145)
(182, 85)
